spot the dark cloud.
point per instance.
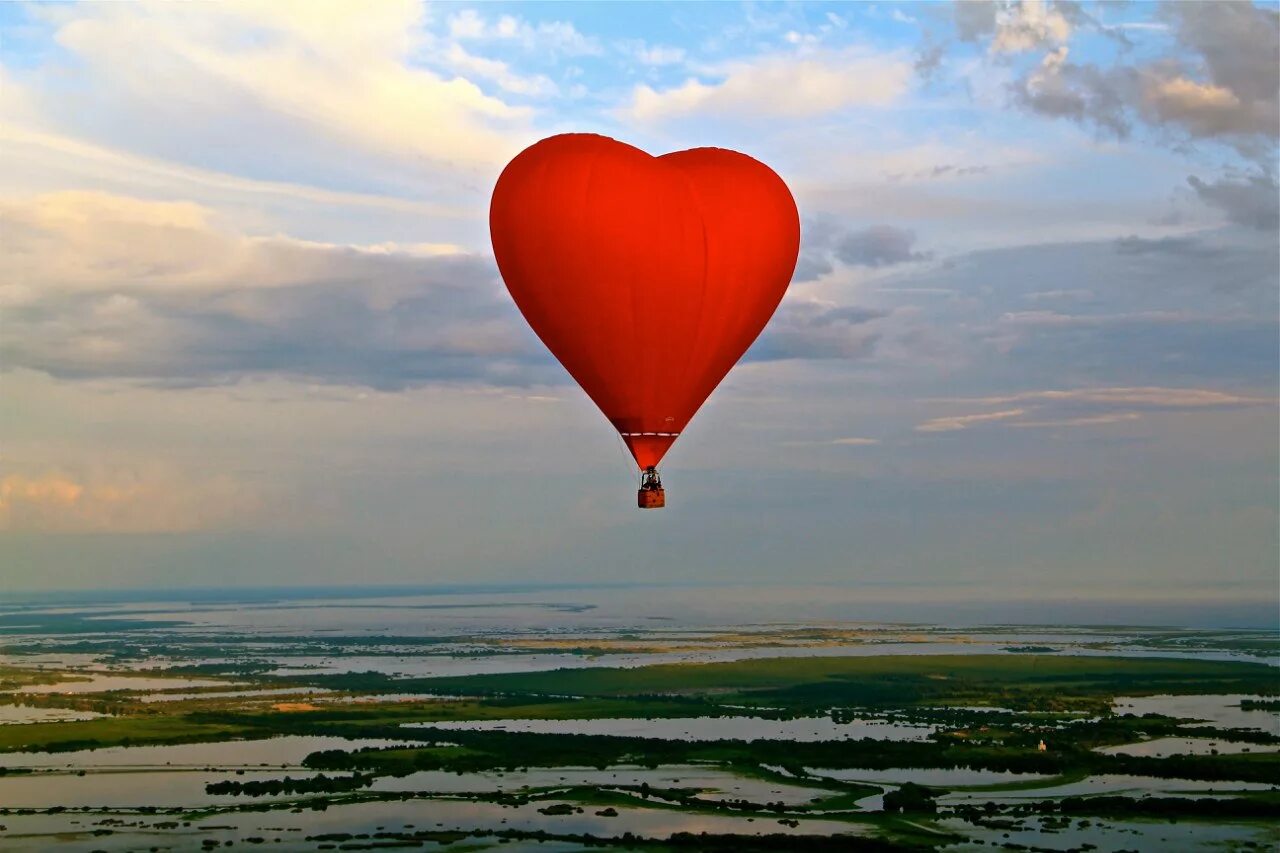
(1252, 201)
(1222, 82)
(945, 170)
(812, 265)
(816, 330)
(825, 241)
(1083, 93)
(929, 59)
(1150, 312)
(386, 322)
(1238, 46)
(878, 246)
(1184, 246)
(152, 292)
(975, 19)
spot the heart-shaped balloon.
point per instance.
(647, 277)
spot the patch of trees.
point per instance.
(911, 798)
(501, 750)
(274, 787)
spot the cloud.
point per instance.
(1223, 82)
(558, 38)
(330, 84)
(955, 423)
(97, 286)
(1054, 319)
(790, 86)
(817, 330)
(1238, 47)
(878, 246)
(1086, 407)
(975, 19)
(1187, 247)
(1252, 201)
(852, 441)
(1083, 93)
(652, 54)
(124, 501)
(825, 240)
(1152, 397)
(460, 60)
(1204, 109)
(1087, 420)
(929, 59)
(101, 286)
(1027, 25)
(1070, 294)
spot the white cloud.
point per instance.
(1027, 25)
(147, 500)
(1086, 420)
(852, 441)
(1054, 319)
(653, 54)
(1085, 407)
(499, 72)
(559, 38)
(332, 73)
(790, 86)
(954, 423)
(1154, 397)
(86, 164)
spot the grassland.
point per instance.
(1021, 682)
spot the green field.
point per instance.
(1024, 682)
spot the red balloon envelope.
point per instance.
(647, 277)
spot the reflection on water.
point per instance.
(269, 752)
(1112, 836)
(132, 789)
(947, 777)
(233, 694)
(1106, 784)
(706, 728)
(100, 683)
(475, 632)
(1223, 711)
(1166, 746)
(715, 783)
(18, 714)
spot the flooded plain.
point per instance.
(1217, 710)
(804, 729)
(328, 670)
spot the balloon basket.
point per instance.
(651, 494)
(651, 498)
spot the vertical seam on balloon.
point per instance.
(586, 200)
(702, 301)
(639, 302)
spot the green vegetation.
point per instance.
(1021, 682)
(320, 784)
(117, 731)
(502, 750)
(1260, 704)
(911, 798)
(988, 713)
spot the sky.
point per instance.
(252, 333)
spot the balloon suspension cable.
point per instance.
(628, 460)
(649, 479)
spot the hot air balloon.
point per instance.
(647, 277)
